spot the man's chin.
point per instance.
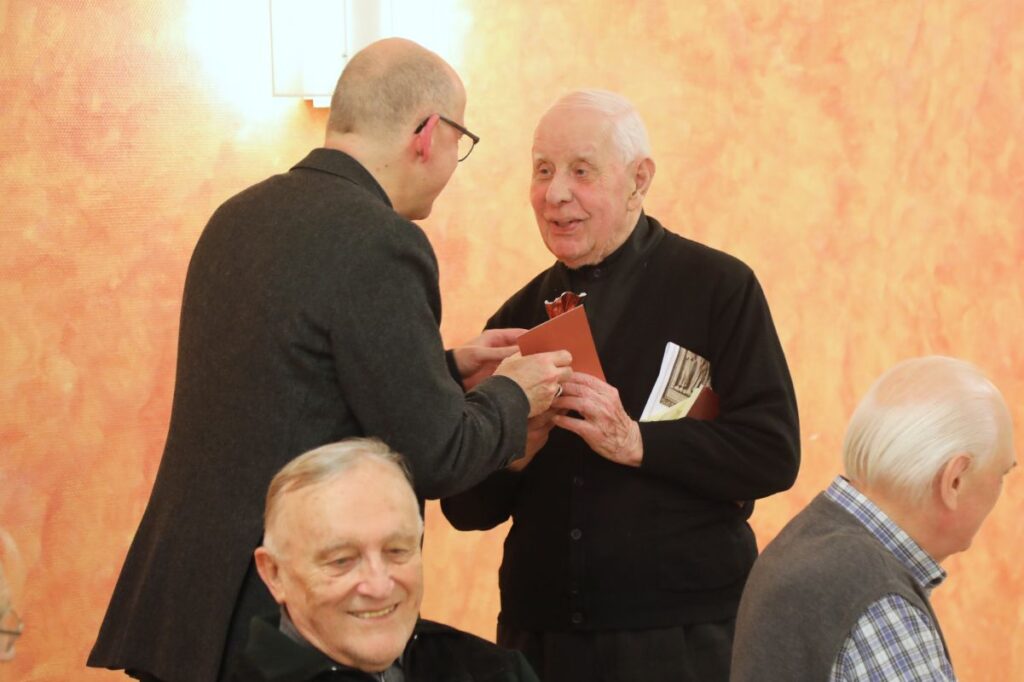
(571, 260)
(565, 250)
(418, 211)
(417, 214)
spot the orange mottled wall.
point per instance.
(865, 158)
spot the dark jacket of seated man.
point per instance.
(435, 652)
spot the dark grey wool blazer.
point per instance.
(310, 314)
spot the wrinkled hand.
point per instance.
(605, 426)
(539, 375)
(537, 430)
(478, 358)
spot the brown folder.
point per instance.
(569, 331)
(705, 406)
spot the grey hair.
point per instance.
(325, 463)
(380, 92)
(916, 417)
(629, 134)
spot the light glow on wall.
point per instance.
(311, 40)
(441, 26)
(231, 39)
(249, 57)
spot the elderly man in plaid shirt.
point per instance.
(843, 592)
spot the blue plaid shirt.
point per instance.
(892, 640)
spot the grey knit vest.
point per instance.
(807, 591)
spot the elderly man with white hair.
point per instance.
(341, 555)
(630, 544)
(843, 592)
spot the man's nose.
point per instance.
(559, 191)
(376, 580)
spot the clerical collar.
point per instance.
(639, 240)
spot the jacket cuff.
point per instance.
(453, 368)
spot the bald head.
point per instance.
(389, 84)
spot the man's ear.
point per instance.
(642, 178)
(270, 572)
(950, 480)
(422, 140)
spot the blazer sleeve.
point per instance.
(388, 354)
(752, 449)
(489, 503)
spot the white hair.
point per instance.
(916, 417)
(628, 131)
(326, 463)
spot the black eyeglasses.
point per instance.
(466, 142)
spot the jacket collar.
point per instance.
(644, 236)
(278, 658)
(339, 163)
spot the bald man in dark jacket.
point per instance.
(311, 313)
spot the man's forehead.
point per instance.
(589, 153)
(572, 133)
(319, 536)
(346, 495)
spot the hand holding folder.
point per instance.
(568, 331)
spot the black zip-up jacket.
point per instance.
(599, 546)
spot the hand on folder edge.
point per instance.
(539, 375)
(570, 331)
(479, 357)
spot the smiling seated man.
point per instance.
(341, 554)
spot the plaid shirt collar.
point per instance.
(926, 570)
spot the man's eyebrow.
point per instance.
(330, 550)
(584, 158)
(398, 536)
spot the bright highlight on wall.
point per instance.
(231, 39)
(441, 26)
(311, 40)
(256, 51)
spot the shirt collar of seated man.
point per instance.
(275, 652)
(341, 553)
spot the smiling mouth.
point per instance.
(566, 224)
(381, 613)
